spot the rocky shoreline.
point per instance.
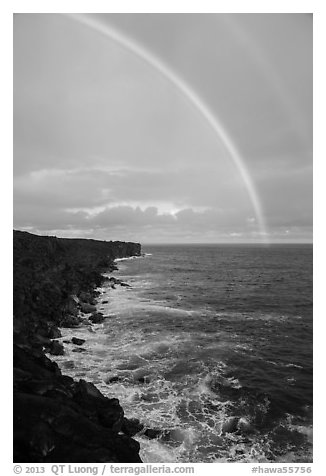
(56, 418)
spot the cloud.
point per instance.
(104, 144)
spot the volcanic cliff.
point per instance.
(58, 419)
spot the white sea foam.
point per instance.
(143, 357)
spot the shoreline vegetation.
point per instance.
(56, 418)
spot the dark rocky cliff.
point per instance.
(57, 419)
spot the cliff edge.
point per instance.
(56, 418)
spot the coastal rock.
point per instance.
(57, 419)
(54, 333)
(97, 318)
(85, 322)
(87, 308)
(153, 433)
(77, 341)
(106, 410)
(85, 297)
(47, 430)
(88, 389)
(34, 363)
(115, 378)
(70, 321)
(41, 341)
(56, 348)
(141, 376)
(71, 306)
(131, 426)
(230, 425)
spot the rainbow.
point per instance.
(193, 98)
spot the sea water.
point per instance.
(206, 335)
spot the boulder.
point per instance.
(230, 425)
(113, 379)
(141, 376)
(88, 389)
(85, 322)
(47, 430)
(70, 321)
(153, 433)
(131, 426)
(71, 306)
(56, 348)
(97, 317)
(77, 341)
(85, 297)
(105, 410)
(54, 333)
(39, 340)
(87, 308)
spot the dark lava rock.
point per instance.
(34, 363)
(85, 297)
(57, 419)
(53, 431)
(79, 350)
(230, 425)
(105, 302)
(85, 322)
(77, 341)
(125, 284)
(54, 333)
(131, 426)
(113, 379)
(56, 348)
(87, 308)
(88, 389)
(70, 321)
(106, 410)
(152, 433)
(97, 317)
(71, 306)
(143, 380)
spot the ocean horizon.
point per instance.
(210, 348)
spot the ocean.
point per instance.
(211, 345)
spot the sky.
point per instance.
(164, 128)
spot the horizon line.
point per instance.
(175, 243)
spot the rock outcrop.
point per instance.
(58, 419)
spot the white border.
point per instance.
(157, 6)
